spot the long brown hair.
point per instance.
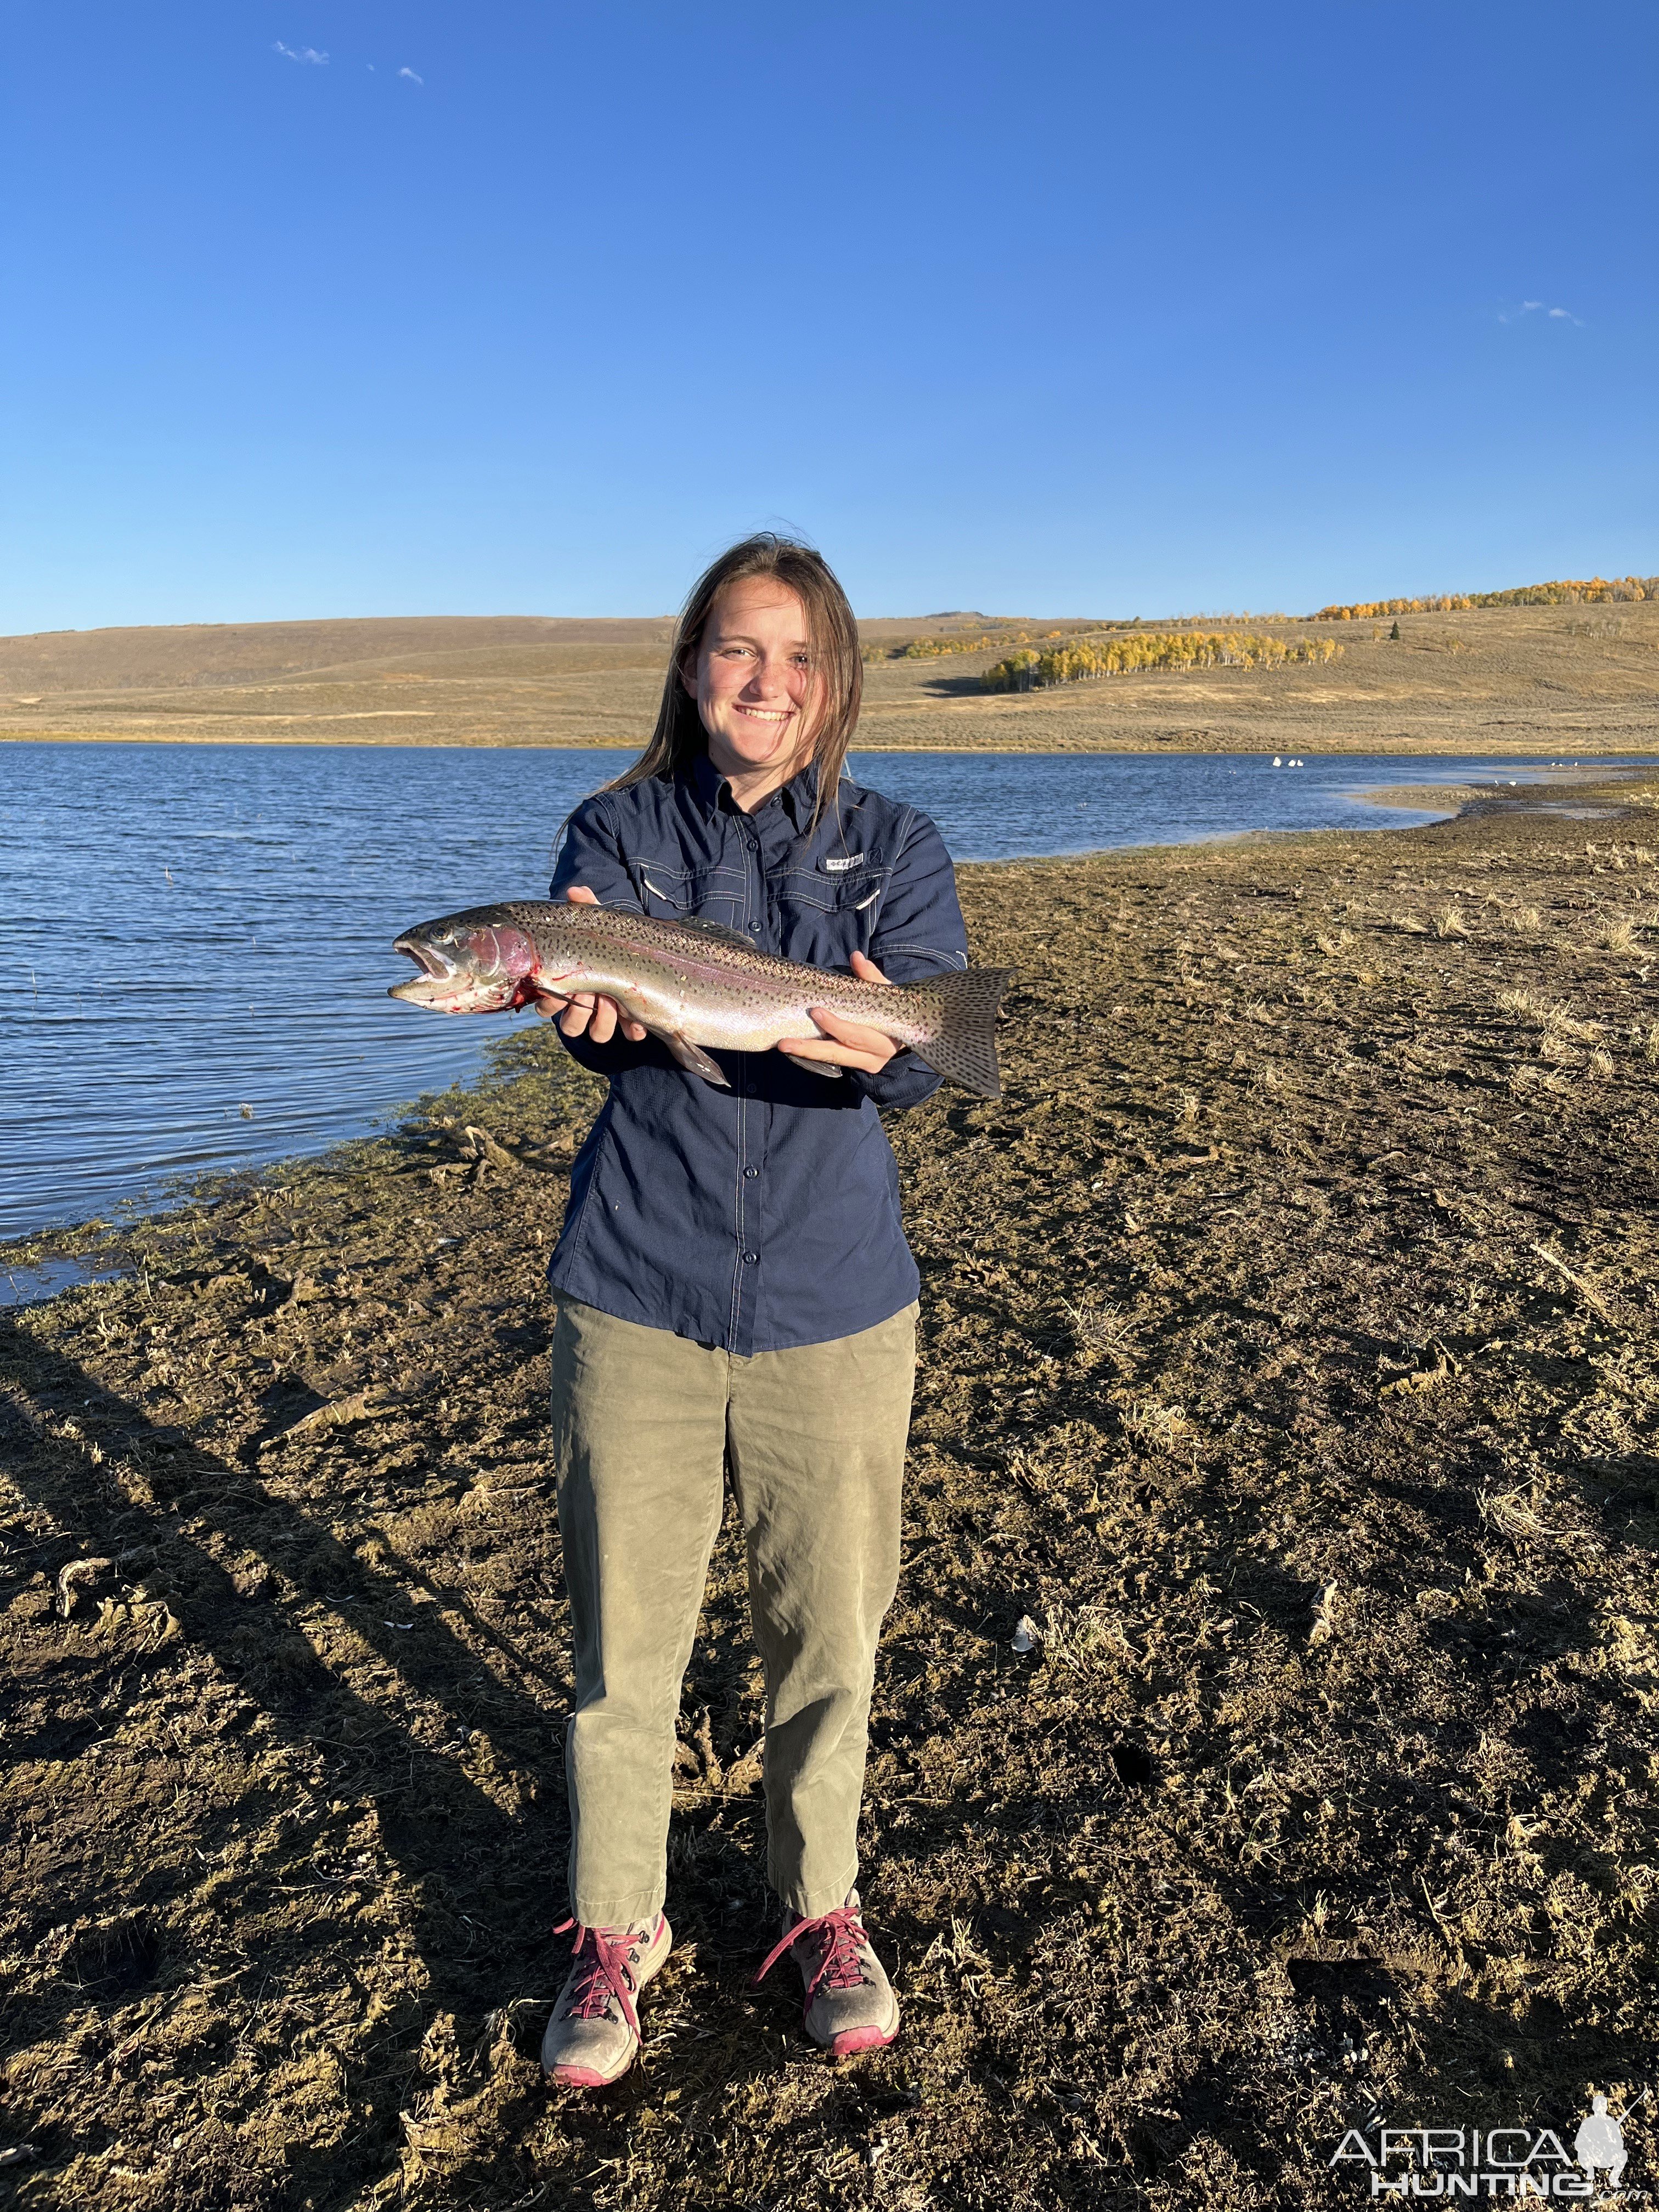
(832, 636)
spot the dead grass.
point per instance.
(1155, 1427)
(1617, 933)
(1086, 1638)
(1527, 1004)
(531, 682)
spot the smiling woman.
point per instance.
(735, 1290)
(765, 676)
(758, 694)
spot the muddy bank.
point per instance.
(1289, 1358)
(1583, 794)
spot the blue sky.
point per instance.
(1103, 309)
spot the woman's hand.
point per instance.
(589, 1011)
(843, 1044)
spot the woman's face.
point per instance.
(754, 682)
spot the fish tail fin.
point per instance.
(964, 1051)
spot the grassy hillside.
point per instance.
(1561, 680)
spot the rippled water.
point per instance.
(195, 940)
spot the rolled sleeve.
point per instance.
(905, 1081)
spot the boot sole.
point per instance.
(589, 2078)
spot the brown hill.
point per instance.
(78, 660)
(1563, 681)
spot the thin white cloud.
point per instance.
(301, 54)
(410, 75)
(1550, 314)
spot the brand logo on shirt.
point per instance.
(840, 867)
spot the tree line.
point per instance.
(1564, 592)
(936, 648)
(1077, 661)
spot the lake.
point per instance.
(195, 940)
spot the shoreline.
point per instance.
(1402, 748)
(19, 1252)
(1287, 1359)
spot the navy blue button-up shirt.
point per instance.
(766, 1215)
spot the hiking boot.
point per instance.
(850, 2004)
(595, 2031)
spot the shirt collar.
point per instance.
(799, 795)
(711, 786)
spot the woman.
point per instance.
(734, 1290)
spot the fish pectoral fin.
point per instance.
(693, 1056)
(815, 1067)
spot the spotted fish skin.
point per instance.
(696, 986)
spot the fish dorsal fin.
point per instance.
(718, 931)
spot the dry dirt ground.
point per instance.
(1289, 1360)
(1558, 681)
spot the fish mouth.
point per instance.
(427, 956)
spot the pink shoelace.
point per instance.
(606, 1957)
(837, 1936)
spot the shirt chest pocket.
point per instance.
(690, 894)
(823, 918)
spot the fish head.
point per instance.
(469, 965)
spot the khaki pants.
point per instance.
(644, 1425)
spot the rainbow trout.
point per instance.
(694, 984)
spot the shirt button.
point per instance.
(751, 1173)
(749, 1259)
